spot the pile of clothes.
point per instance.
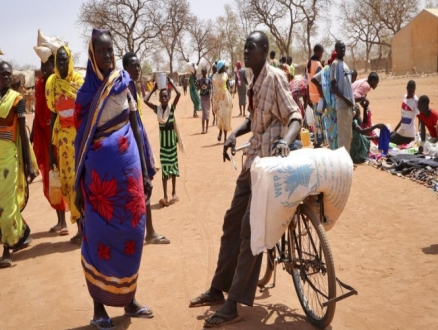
(408, 163)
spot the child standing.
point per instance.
(204, 86)
(168, 139)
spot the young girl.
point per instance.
(168, 139)
(204, 86)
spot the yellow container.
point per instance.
(305, 137)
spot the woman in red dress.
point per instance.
(41, 137)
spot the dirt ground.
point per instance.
(385, 245)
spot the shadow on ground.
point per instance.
(433, 249)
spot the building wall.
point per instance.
(414, 48)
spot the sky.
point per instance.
(20, 24)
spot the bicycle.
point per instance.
(305, 254)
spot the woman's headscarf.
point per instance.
(91, 99)
(238, 67)
(56, 86)
(334, 55)
(220, 64)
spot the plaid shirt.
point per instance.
(271, 109)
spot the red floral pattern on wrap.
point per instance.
(129, 247)
(101, 194)
(104, 252)
(123, 144)
(136, 200)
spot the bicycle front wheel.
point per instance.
(313, 271)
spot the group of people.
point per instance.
(335, 96)
(212, 92)
(91, 131)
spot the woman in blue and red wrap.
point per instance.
(112, 183)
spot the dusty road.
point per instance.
(385, 245)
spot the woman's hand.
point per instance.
(52, 162)
(79, 201)
(29, 173)
(148, 186)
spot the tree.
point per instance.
(360, 25)
(279, 16)
(146, 68)
(393, 14)
(178, 17)
(309, 11)
(134, 24)
(201, 40)
(247, 21)
(230, 35)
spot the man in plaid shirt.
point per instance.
(275, 122)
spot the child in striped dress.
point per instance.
(168, 139)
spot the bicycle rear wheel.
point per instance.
(313, 272)
(267, 267)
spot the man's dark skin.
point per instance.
(255, 54)
(340, 50)
(134, 70)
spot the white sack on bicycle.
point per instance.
(280, 184)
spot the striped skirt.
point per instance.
(168, 153)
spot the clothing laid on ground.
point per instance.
(384, 138)
(194, 94)
(41, 139)
(168, 141)
(430, 122)
(271, 111)
(205, 91)
(360, 146)
(242, 88)
(409, 110)
(110, 176)
(14, 190)
(222, 101)
(61, 96)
